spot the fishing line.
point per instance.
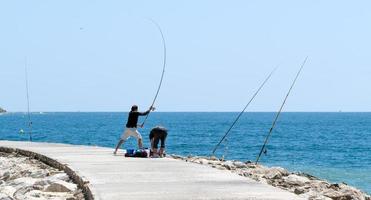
(163, 67)
(239, 115)
(28, 102)
(279, 112)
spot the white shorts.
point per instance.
(130, 132)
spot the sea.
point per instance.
(332, 146)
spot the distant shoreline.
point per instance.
(2, 110)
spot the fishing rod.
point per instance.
(239, 115)
(28, 102)
(163, 68)
(279, 112)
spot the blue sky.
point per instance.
(106, 55)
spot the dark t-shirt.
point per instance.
(133, 118)
(158, 132)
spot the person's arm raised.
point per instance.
(147, 112)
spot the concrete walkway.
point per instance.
(119, 178)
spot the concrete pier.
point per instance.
(117, 178)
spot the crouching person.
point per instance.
(158, 134)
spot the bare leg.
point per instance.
(118, 146)
(152, 144)
(155, 153)
(161, 152)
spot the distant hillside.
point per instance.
(2, 110)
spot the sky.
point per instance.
(106, 55)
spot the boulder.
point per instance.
(203, 161)
(337, 195)
(61, 186)
(229, 165)
(21, 192)
(5, 197)
(295, 180)
(299, 191)
(220, 167)
(7, 190)
(318, 185)
(275, 173)
(5, 176)
(214, 162)
(58, 177)
(239, 164)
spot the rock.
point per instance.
(250, 165)
(295, 180)
(39, 174)
(214, 158)
(299, 190)
(334, 186)
(275, 173)
(38, 187)
(42, 182)
(58, 176)
(55, 187)
(5, 197)
(203, 161)
(79, 195)
(7, 190)
(351, 192)
(220, 167)
(336, 195)
(21, 193)
(229, 165)
(310, 177)
(5, 176)
(239, 164)
(26, 178)
(24, 181)
(312, 195)
(318, 185)
(61, 186)
(214, 162)
(176, 156)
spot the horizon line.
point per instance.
(201, 111)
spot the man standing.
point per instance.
(131, 127)
(158, 134)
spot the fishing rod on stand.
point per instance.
(263, 149)
(163, 69)
(28, 104)
(240, 114)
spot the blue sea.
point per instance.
(332, 146)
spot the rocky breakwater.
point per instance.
(25, 178)
(304, 185)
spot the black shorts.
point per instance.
(158, 135)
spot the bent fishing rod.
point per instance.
(279, 112)
(163, 69)
(240, 114)
(28, 102)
